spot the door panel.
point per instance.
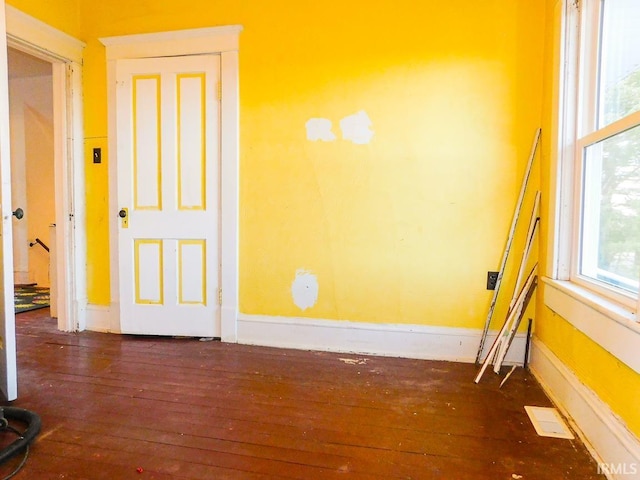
(8, 370)
(168, 188)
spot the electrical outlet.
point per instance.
(492, 280)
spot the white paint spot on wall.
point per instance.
(319, 129)
(304, 289)
(356, 128)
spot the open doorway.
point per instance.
(61, 55)
(32, 179)
(64, 55)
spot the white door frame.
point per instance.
(219, 40)
(64, 52)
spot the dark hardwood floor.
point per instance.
(184, 409)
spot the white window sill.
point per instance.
(606, 323)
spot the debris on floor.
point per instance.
(354, 361)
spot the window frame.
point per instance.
(578, 130)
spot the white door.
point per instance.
(168, 194)
(8, 372)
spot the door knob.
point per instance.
(18, 213)
(124, 220)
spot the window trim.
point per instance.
(577, 130)
(606, 322)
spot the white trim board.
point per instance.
(29, 31)
(173, 43)
(393, 340)
(608, 325)
(99, 318)
(602, 431)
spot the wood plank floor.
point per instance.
(185, 409)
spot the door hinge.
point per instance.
(219, 91)
(219, 296)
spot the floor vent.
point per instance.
(548, 422)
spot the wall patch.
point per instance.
(319, 129)
(304, 289)
(356, 128)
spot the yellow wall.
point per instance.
(613, 381)
(38, 149)
(61, 14)
(400, 230)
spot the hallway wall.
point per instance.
(31, 117)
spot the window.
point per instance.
(605, 254)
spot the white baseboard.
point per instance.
(394, 340)
(98, 318)
(228, 324)
(602, 431)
